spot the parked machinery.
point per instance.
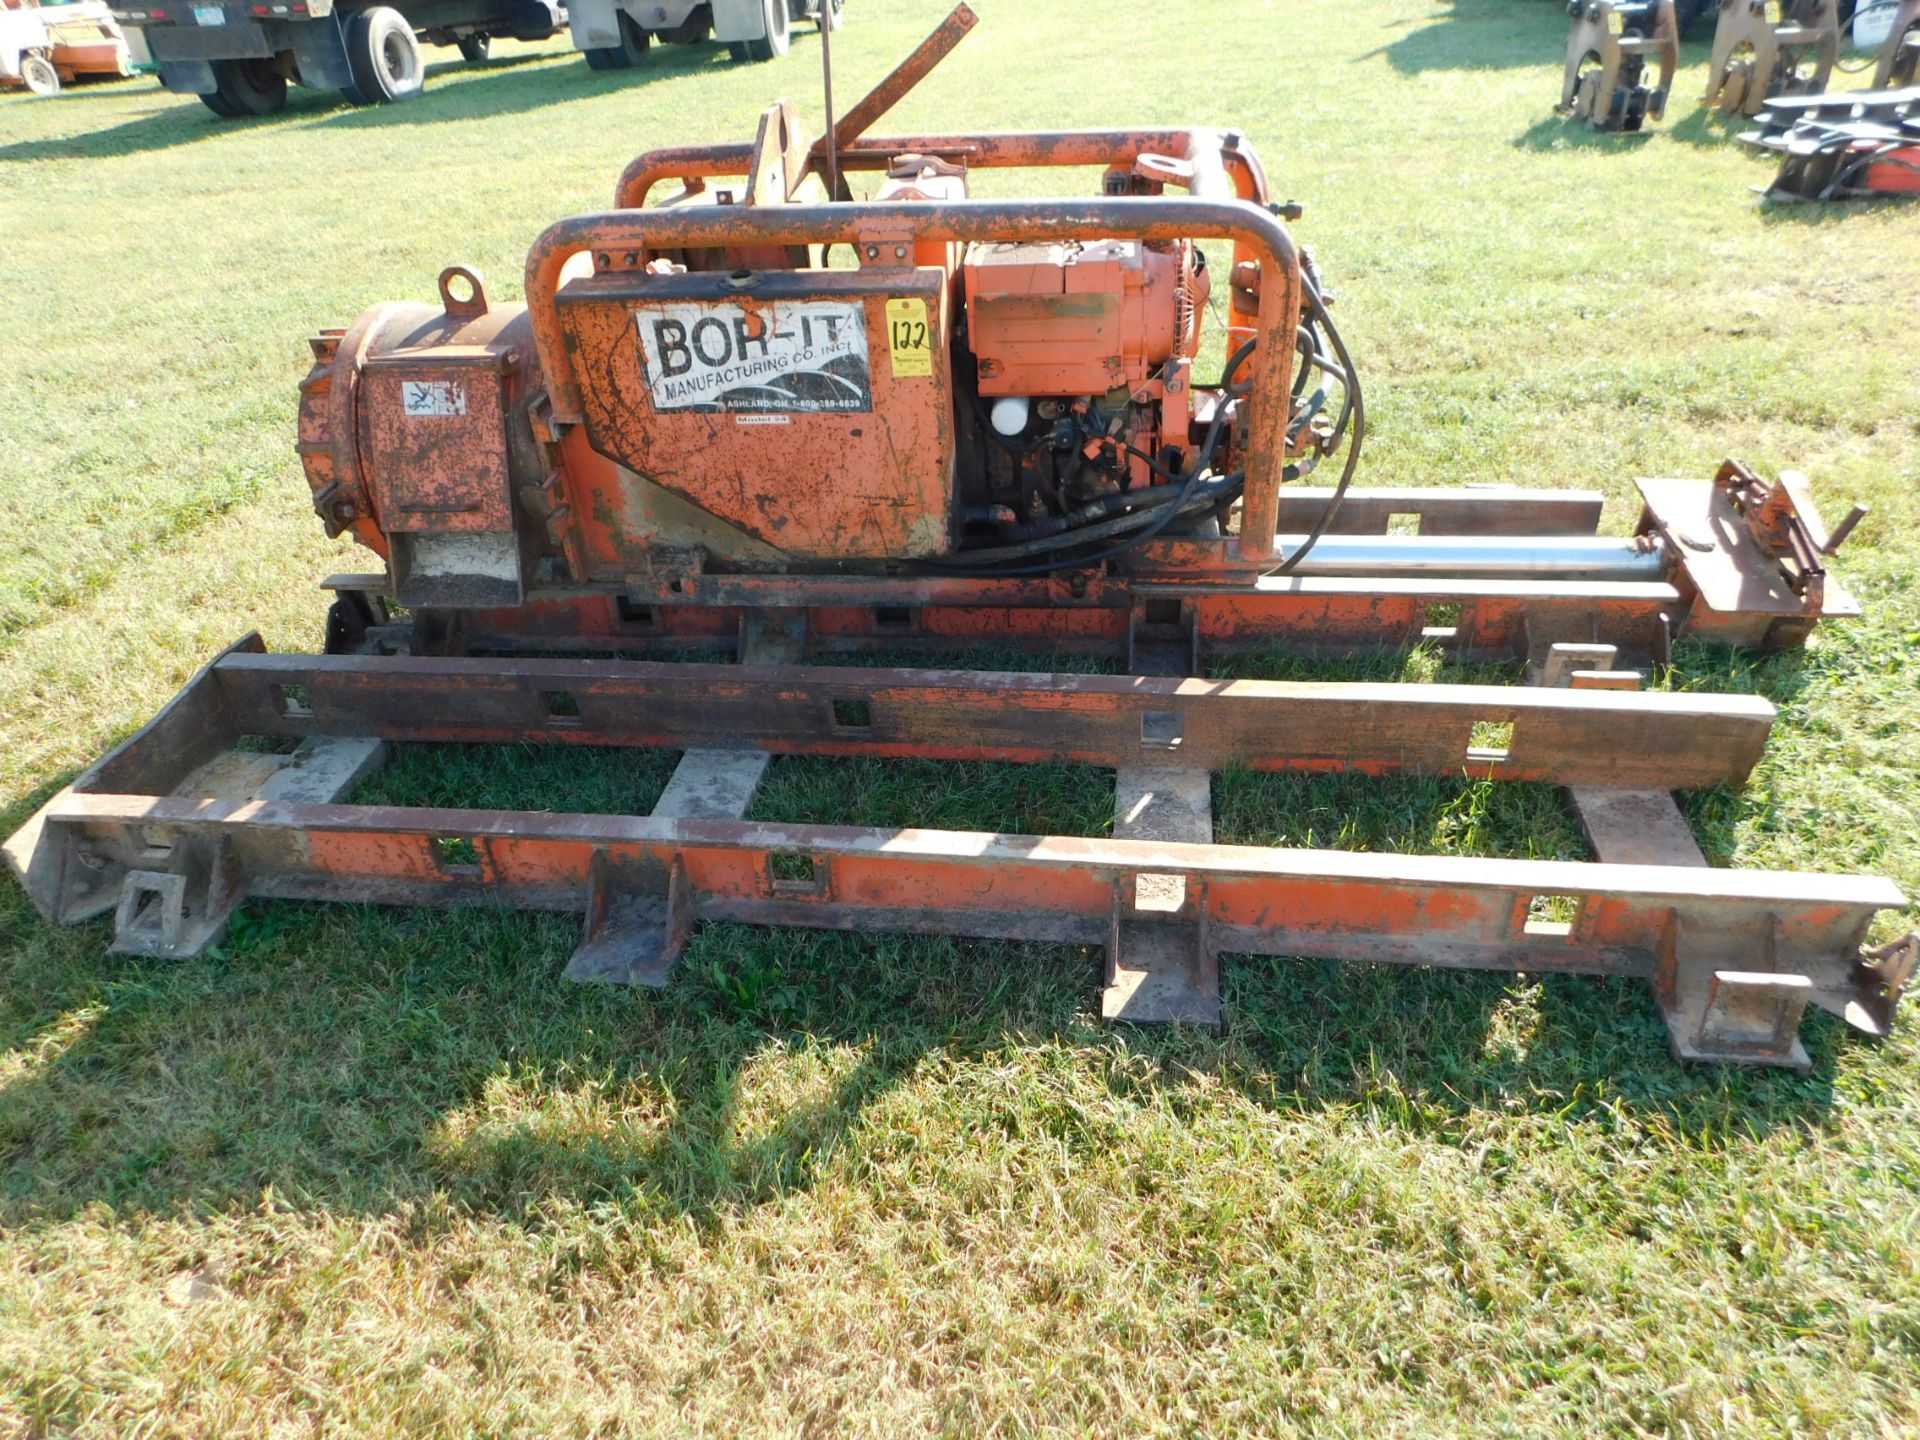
(1608, 52)
(1763, 49)
(616, 34)
(43, 48)
(1899, 64)
(1855, 145)
(239, 58)
(768, 420)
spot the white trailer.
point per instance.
(615, 34)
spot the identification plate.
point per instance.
(779, 357)
(909, 338)
(432, 397)
(1616, 23)
(209, 15)
(1776, 13)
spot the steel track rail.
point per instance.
(175, 829)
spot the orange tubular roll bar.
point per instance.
(1005, 151)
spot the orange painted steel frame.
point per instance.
(1558, 736)
(1454, 912)
(1217, 168)
(1220, 164)
(650, 231)
(1330, 615)
(142, 832)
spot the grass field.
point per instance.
(379, 1173)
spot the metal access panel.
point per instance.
(437, 436)
(813, 410)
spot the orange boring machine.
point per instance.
(766, 419)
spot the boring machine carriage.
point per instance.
(780, 420)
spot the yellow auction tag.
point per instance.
(1616, 23)
(1776, 12)
(910, 338)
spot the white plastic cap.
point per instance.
(1010, 414)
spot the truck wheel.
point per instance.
(839, 17)
(631, 51)
(219, 105)
(474, 49)
(775, 40)
(250, 87)
(384, 57)
(40, 76)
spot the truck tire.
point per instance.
(39, 76)
(474, 49)
(631, 51)
(839, 13)
(775, 40)
(219, 105)
(249, 87)
(384, 57)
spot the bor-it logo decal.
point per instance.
(777, 357)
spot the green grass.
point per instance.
(379, 1173)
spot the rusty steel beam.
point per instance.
(867, 110)
(905, 616)
(173, 831)
(1562, 736)
(1733, 956)
(1147, 218)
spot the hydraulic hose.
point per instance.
(1353, 410)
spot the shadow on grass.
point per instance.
(361, 1061)
(1704, 126)
(506, 86)
(1481, 35)
(354, 1059)
(1561, 132)
(1504, 35)
(1826, 212)
(538, 84)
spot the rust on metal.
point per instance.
(1674, 925)
(1751, 554)
(989, 150)
(704, 432)
(866, 111)
(1564, 736)
(1154, 219)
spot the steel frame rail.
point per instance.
(162, 834)
(1567, 737)
(1733, 593)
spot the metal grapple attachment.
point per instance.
(1900, 56)
(1850, 146)
(1607, 58)
(1763, 49)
